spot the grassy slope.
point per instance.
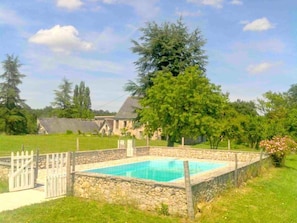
(271, 198)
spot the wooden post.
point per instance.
(147, 141)
(68, 174)
(36, 167)
(77, 144)
(236, 172)
(73, 161)
(188, 186)
(72, 173)
(260, 162)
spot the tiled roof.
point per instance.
(61, 125)
(127, 111)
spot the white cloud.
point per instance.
(61, 39)
(69, 4)
(186, 13)
(213, 3)
(236, 2)
(258, 25)
(261, 68)
(10, 17)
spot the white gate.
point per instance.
(21, 175)
(56, 174)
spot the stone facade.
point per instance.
(211, 154)
(4, 172)
(144, 195)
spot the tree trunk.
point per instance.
(170, 141)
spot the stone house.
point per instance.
(124, 120)
(106, 124)
(123, 123)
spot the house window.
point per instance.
(117, 124)
(125, 124)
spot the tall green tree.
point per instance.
(14, 120)
(82, 101)
(185, 105)
(169, 47)
(10, 93)
(63, 99)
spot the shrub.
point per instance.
(69, 132)
(163, 210)
(278, 147)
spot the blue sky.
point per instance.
(251, 44)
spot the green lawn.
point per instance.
(271, 198)
(61, 143)
(3, 186)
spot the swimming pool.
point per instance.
(157, 170)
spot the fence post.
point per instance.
(73, 170)
(236, 171)
(188, 187)
(68, 172)
(36, 167)
(260, 162)
(77, 144)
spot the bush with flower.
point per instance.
(278, 147)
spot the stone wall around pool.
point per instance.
(150, 195)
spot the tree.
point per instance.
(169, 47)
(14, 121)
(82, 101)
(10, 93)
(63, 100)
(183, 105)
(275, 108)
(245, 107)
(292, 95)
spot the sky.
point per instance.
(251, 44)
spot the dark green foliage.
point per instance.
(169, 47)
(103, 113)
(15, 115)
(10, 93)
(245, 107)
(77, 106)
(82, 101)
(63, 100)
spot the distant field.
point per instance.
(61, 143)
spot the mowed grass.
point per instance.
(270, 198)
(3, 186)
(62, 143)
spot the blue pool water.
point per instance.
(157, 170)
